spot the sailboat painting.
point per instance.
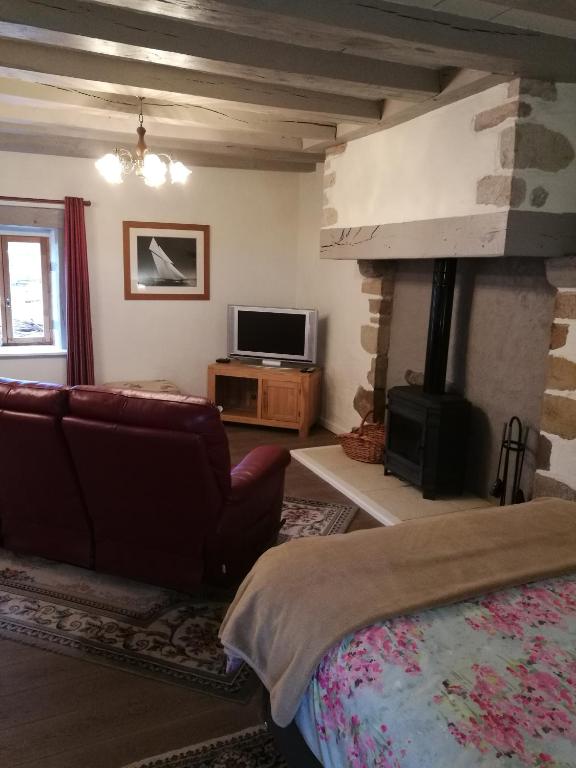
(166, 261)
(162, 270)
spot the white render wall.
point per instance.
(424, 169)
(253, 217)
(334, 288)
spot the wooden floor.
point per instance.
(59, 712)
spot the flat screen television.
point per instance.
(272, 333)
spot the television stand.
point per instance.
(270, 397)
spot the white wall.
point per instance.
(253, 217)
(334, 288)
(422, 169)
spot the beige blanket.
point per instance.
(304, 596)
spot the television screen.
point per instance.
(272, 333)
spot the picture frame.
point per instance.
(166, 261)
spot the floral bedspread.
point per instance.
(484, 683)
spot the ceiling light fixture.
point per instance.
(151, 167)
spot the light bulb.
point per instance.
(154, 170)
(178, 172)
(110, 167)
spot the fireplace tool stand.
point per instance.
(514, 439)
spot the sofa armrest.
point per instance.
(258, 466)
(251, 516)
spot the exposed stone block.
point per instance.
(493, 117)
(377, 268)
(559, 416)
(369, 338)
(329, 217)
(539, 89)
(538, 197)
(363, 401)
(372, 285)
(414, 378)
(381, 307)
(543, 452)
(375, 339)
(548, 486)
(502, 190)
(532, 145)
(561, 374)
(565, 307)
(375, 306)
(561, 272)
(558, 336)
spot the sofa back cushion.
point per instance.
(155, 471)
(41, 506)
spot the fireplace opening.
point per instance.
(427, 430)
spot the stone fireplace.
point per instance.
(490, 181)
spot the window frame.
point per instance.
(7, 337)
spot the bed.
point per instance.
(479, 674)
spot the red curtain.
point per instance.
(80, 352)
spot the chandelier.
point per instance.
(151, 167)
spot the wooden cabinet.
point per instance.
(275, 397)
(280, 400)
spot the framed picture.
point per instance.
(166, 261)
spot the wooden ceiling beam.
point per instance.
(52, 65)
(120, 31)
(553, 17)
(54, 119)
(387, 31)
(87, 102)
(32, 139)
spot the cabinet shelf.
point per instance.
(274, 397)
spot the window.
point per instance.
(25, 290)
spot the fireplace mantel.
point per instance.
(489, 235)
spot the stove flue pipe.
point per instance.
(439, 326)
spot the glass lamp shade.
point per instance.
(179, 173)
(110, 166)
(153, 170)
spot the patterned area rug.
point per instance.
(140, 628)
(305, 517)
(252, 748)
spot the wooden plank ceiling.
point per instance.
(265, 84)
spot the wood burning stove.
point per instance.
(427, 428)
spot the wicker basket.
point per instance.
(365, 443)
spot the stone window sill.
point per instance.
(32, 350)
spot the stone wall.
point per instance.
(378, 285)
(556, 475)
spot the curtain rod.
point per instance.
(37, 200)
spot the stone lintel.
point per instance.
(508, 233)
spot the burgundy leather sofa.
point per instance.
(133, 483)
